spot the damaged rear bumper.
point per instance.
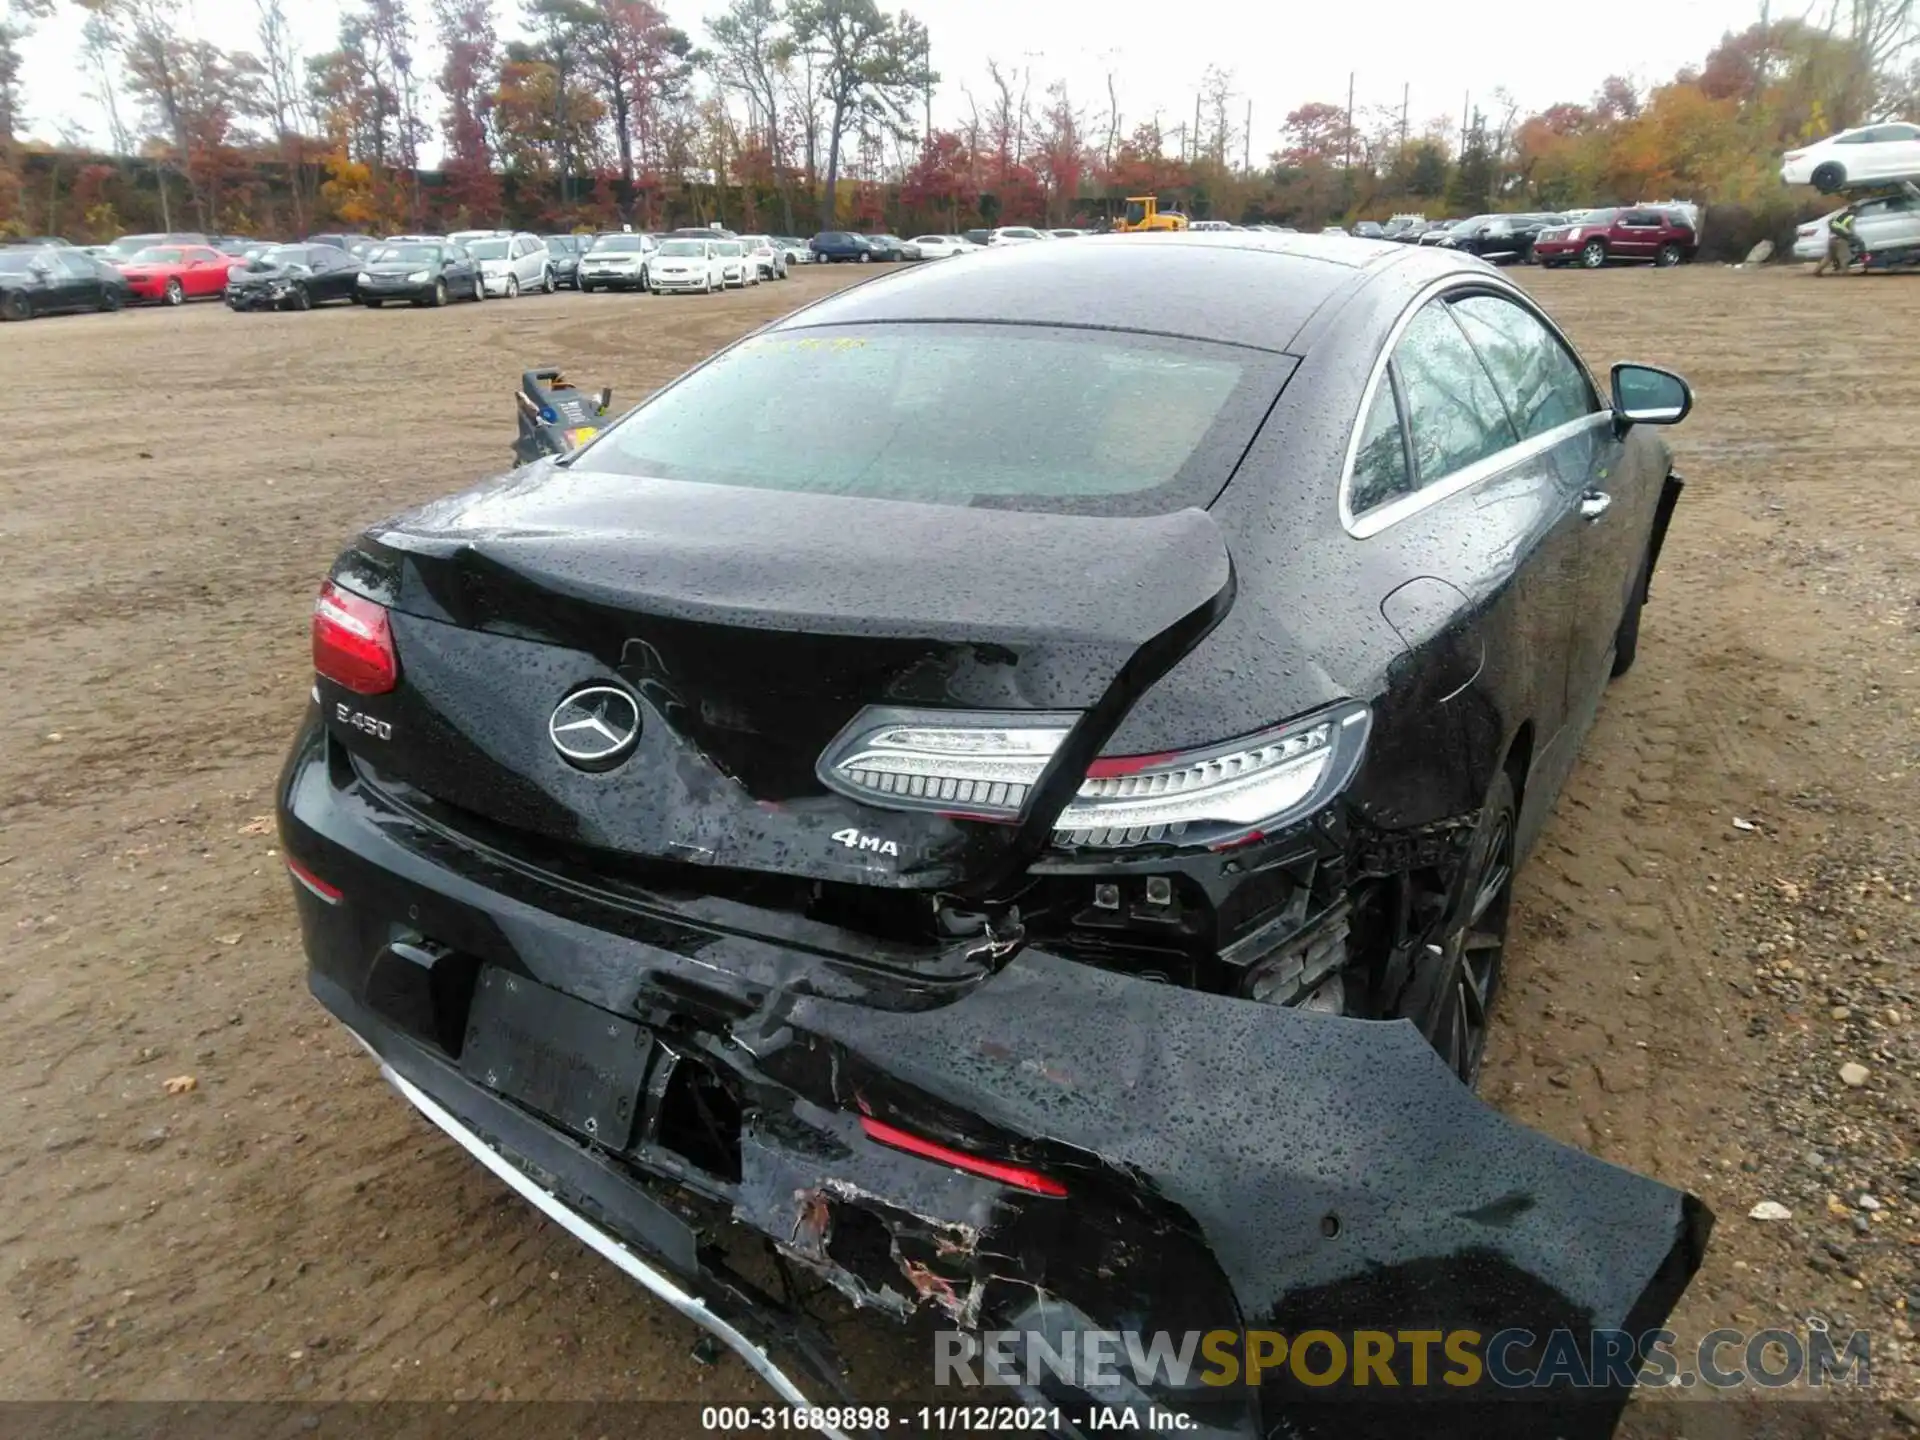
(1226, 1166)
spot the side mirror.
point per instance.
(1643, 395)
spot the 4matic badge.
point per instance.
(873, 844)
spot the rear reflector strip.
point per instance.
(1017, 1176)
(330, 893)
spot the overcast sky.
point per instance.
(1280, 55)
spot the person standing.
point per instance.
(1839, 254)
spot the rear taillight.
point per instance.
(985, 766)
(353, 643)
(1221, 796)
(979, 764)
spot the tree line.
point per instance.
(796, 114)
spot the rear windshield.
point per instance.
(1016, 417)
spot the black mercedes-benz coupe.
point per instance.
(955, 783)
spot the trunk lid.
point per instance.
(751, 627)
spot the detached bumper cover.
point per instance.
(1228, 1165)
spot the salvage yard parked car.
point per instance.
(55, 280)
(769, 260)
(293, 277)
(1601, 237)
(1864, 155)
(1501, 239)
(512, 265)
(418, 274)
(1884, 226)
(173, 275)
(942, 247)
(905, 790)
(736, 266)
(619, 261)
(563, 253)
(688, 265)
(837, 246)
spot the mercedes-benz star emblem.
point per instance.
(594, 728)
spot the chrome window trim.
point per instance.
(1380, 517)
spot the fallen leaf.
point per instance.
(233, 939)
(259, 825)
(1740, 824)
(181, 1084)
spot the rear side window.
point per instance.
(1541, 384)
(1380, 470)
(1454, 414)
(1017, 417)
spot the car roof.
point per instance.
(1240, 286)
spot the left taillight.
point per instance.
(353, 643)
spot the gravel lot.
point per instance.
(1720, 918)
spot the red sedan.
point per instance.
(177, 273)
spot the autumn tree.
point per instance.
(872, 65)
(753, 57)
(637, 64)
(469, 77)
(1060, 151)
(939, 184)
(284, 102)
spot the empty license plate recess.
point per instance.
(578, 1065)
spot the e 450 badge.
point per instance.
(366, 724)
(872, 844)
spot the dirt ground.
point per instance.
(1720, 916)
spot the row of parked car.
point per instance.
(46, 275)
(1664, 234)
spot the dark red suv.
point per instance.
(1643, 233)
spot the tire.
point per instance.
(513, 287)
(864, 257)
(1667, 255)
(1829, 177)
(547, 285)
(1456, 983)
(109, 300)
(176, 293)
(439, 294)
(1593, 254)
(479, 294)
(1626, 640)
(585, 289)
(16, 307)
(372, 304)
(302, 298)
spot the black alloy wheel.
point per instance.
(1467, 963)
